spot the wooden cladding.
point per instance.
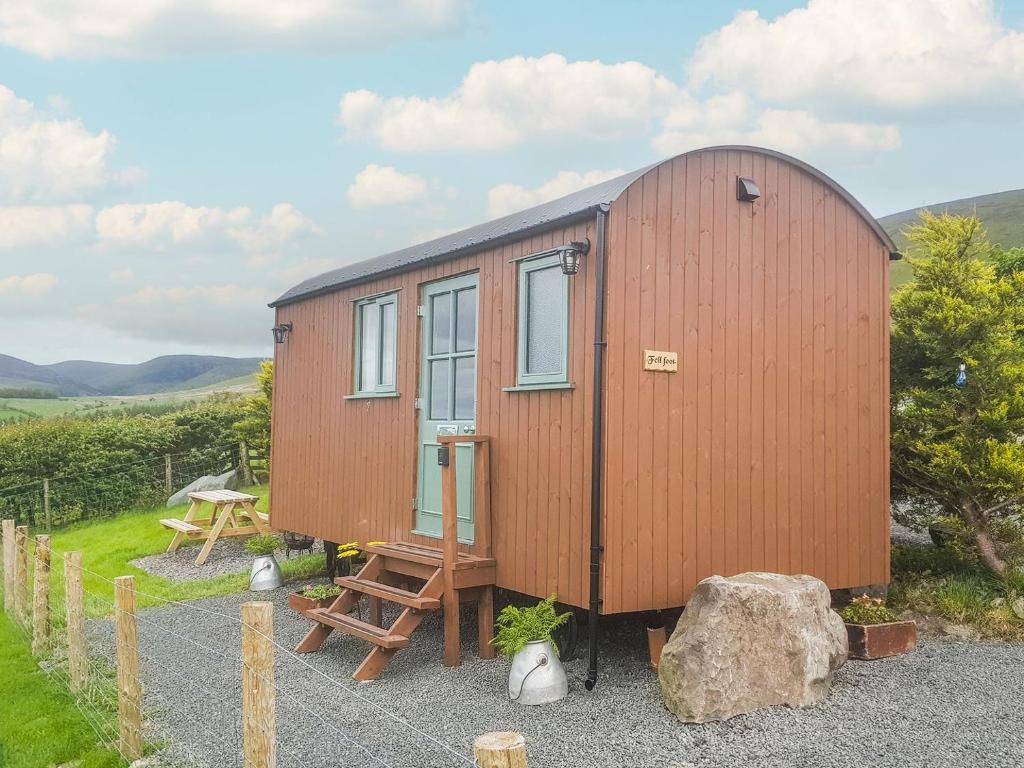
(768, 449)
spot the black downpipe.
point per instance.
(597, 448)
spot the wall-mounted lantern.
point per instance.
(569, 256)
(747, 190)
(280, 332)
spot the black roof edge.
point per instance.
(295, 295)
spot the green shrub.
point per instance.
(321, 591)
(867, 610)
(963, 600)
(519, 626)
(262, 545)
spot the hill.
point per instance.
(161, 374)
(1002, 213)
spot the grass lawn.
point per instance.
(39, 723)
(108, 545)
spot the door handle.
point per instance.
(469, 429)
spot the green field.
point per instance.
(13, 409)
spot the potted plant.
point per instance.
(525, 636)
(266, 573)
(875, 632)
(311, 597)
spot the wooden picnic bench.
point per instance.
(233, 514)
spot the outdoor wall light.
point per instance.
(747, 190)
(280, 331)
(569, 256)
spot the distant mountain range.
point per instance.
(161, 374)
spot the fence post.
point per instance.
(21, 573)
(168, 475)
(74, 604)
(258, 707)
(129, 689)
(46, 502)
(9, 557)
(502, 749)
(41, 598)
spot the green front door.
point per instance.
(447, 397)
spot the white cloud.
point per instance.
(162, 226)
(145, 28)
(200, 315)
(44, 225)
(384, 185)
(45, 159)
(509, 198)
(27, 285)
(503, 103)
(732, 119)
(907, 54)
(122, 275)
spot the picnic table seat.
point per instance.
(233, 514)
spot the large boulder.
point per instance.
(229, 480)
(750, 641)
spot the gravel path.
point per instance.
(949, 704)
(227, 556)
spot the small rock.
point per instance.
(1017, 606)
(999, 602)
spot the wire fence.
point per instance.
(54, 502)
(202, 686)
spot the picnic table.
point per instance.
(233, 514)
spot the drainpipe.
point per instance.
(597, 446)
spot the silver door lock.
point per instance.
(469, 429)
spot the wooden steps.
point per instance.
(388, 563)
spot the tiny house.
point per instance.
(679, 372)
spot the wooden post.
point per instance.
(503, 749)
(21, 573)
(258, 706)
(74, 605)
(450, 544)
(129, 687)
(482, 495)
(9, 558)
(41, 598)
(168, 475)
(46, 503)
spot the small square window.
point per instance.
(376, 344)
(543, 323)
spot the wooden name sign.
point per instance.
(661, 361)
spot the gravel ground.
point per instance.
(949, 704)
(227, 556)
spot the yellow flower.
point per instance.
(376, 543)
(348, 553)
(350, 545)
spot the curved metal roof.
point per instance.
(521, 224)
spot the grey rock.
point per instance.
(1017, 606)
(229, 480)
(751, 641)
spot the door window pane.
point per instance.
(440, 389)
(369, 330)
(465, 320)
(545, 315)
(388, 342)
(465, 387)
(440, 323)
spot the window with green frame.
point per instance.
(376, 345)
(543, 323)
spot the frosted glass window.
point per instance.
(465, 320)
(543, 322)
(465, 387)
(376, 353)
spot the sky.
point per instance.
(167, 167)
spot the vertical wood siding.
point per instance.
(346, 469)
(768, 450)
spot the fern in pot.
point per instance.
(525, 636)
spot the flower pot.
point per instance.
(537, 675)
(265, 574)
(300, 603)
(877, 641)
